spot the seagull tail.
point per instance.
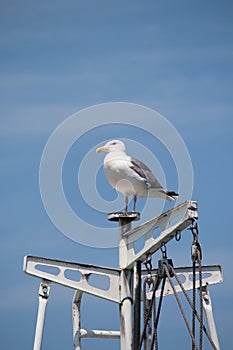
(171, 195)
(162, 193)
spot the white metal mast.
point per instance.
(124, 282)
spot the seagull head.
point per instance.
(112, 146)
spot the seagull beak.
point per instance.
(101, 149)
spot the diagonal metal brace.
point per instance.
(157, 232)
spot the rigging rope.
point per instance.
(180, 307)
(196, 258)
(156, 319)
(148, 281)
(201, 300)
(166, 271)
(155, 335)
(195, 311)
(194, 302)
(157, 282)
(149, 306)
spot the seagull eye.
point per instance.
(113, 143)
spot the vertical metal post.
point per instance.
(44, 291)
(76, 319)
(207, 305)
(126, 277)
(137, 304)
(125, 289)
(125, 311)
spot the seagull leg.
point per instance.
(126, 204)
(134, 202)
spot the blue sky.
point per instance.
(60, 57)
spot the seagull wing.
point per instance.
(145, 173)
(155, 189)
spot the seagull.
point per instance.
(130, 176)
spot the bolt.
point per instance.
(45, 290)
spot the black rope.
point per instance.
(155, 335)
(156, 321)
(197, 257)
(158, 280)
(148, 281)
(195, 311)
(194, 304)
(180, 307)
(201, 301)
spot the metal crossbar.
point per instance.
(74, 275)
(211, 274)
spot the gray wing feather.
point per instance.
(144, 172)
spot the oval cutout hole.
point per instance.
(48, 269)
(157, 232)
(139, 244)
(181, 278)
(99, 281)
(73, 275)
(204, 275)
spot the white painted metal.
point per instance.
(169, 225)
(76, 317)
(44, 291)
(136, 304)
(79, 332)
(124, 228)
(125, 290)
(212, 274)
(99, 334)
(126, 311)
(32, 265)
(207, 305)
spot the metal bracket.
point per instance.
(169, 225)
(60, 272)
(44, 291)
(207, 304)
(161, 270)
